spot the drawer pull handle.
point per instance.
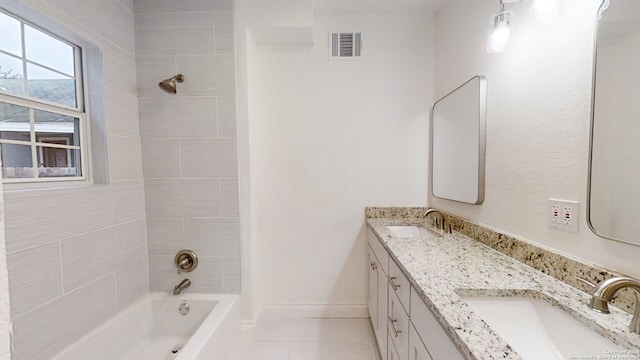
(396, 331)
(393, 283)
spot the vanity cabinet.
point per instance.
(417, 350)
(377, 297)
(404, 326)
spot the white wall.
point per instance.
(537, 121)
(78, 254)
(327, 139)
(189, 141)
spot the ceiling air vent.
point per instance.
(345, 46)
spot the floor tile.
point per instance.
(309, 339)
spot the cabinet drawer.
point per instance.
(379, 250)
(392, 353)
(398, 325)
(417, 350)
(432, 334)
(399, 285)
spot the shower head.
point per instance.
(169, 85)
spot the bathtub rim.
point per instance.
(222, 302)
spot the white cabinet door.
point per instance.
(377, 301)
(372, 288)
(432, 334)
(417, 350)
(398, 325)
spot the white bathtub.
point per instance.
(152, 327)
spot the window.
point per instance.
(42, 112)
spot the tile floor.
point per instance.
(309, 339)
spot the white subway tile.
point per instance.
(231, 267)
(132, 282)
(211, 75)
(125, 157)
(203, 5)
(229, 198)
(168, 198)
(178, 117)
(90, 256)
(231, 286)
(223, 22)
(34, 277)
(147, 6)
(165, 235)
(55, 214)
(41, 333)
(227, 120)
(119, 68)
(208, 158)
(128, 200)
(121, 111)
(213, 237)
(161, 158)
(174, 34)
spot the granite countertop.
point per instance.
(441, 267)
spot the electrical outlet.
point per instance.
(564, 215)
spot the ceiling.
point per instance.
(377, 5)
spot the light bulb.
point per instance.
(500, 38)
(499, 32)
(545, 10)
(543, 6)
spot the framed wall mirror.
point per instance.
(613, 204)
(458, 130)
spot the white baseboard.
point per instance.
(311, 311)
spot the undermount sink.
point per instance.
(410, 231)
(538, 330)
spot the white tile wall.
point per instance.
(213, 237)
(38, 217)
(161, 158)
(166, 235)
(132, 282)
(174, 34)
(189, 140)
(178, 116)
(227, 116)
(182, 198)
(78, 252)
(223, 21)
(125, 157)
(91, 256)
(211, 75)
(45, 331)
(229, 198)
(208, 158)
(35, 277)
(121, 108)
(128, 200)
(152, 70)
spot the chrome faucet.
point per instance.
(437, 216)
(183, 285)
(604, 292)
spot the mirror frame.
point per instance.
(591, 128)
(481, 133)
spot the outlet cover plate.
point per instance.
(564, 215)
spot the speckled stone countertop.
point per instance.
(443, 267)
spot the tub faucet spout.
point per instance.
(183, 285)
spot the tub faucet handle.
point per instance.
(186, 260)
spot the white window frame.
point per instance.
(33, 103)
